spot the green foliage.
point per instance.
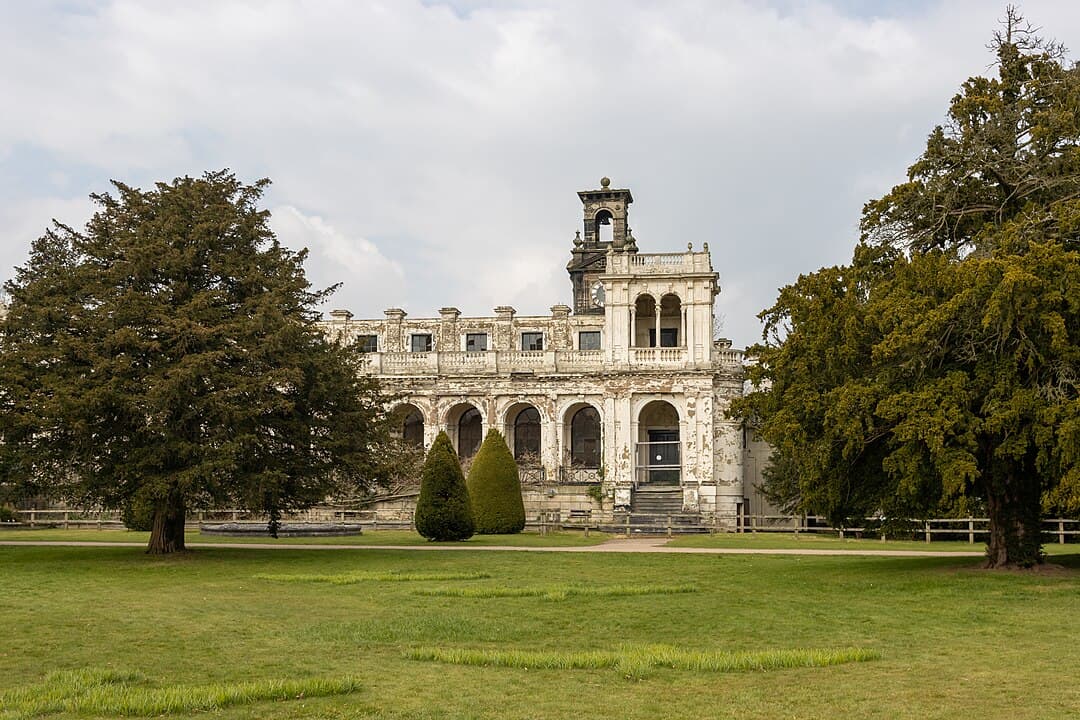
(443, 511)
(940, 369)
(596, 492)
(167, 357)
(495, 488)
(7, 514)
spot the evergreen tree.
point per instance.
(442, 510)
(167, 358)
(943, 364)
(495, 488)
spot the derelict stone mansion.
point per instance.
(624, 393)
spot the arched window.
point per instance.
(585, 438)
(470, 433)
(527, 434)
(412, 429)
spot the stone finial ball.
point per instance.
(605, 182)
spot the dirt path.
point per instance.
(615, 545)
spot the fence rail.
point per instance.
(971, 529)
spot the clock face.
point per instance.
(597, 293)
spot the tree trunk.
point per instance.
(1012, 500)
(167, 533)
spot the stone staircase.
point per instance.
(651, 510)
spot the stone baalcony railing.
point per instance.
(549, 361)
(658, 263)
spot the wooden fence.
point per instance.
(971, 529)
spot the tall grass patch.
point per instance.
(111, 693)
(558, 592)
(352, 578)
(635, 662)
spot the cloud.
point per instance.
(374, 280)
(451, 137)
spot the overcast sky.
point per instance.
(428, 153)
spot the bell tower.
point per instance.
(606, 228)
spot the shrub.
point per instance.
(442, 510)
(7, 514)
(495, 488)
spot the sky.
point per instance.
(428, 154)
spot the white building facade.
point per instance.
(618, 400)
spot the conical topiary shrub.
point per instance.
(495, 488)
(442, 510)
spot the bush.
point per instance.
(495, 488)
(138, 516)
(7, 514)
(442, 510)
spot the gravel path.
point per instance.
(615, 545)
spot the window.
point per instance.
(476, 342)
(368, 343)
(532, 341)
(589, 340)
(585, 438)
(669, 337)
(527, 434)
(421, 342)
(412, 431)
(470, 433)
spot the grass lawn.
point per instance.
(230, 633)
(369, 537)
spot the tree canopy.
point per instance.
(940, 368)
(168, 357)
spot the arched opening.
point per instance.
(407, 423)
(671, 330)
(604, 228)
(527, 436)
(645, 321)
(585, 438)
(465, 426)
(470, 433)
(658, 454)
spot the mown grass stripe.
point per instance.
(361, 577)
(634, 662)
(104, 692)
(558, 592)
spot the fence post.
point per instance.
(841, 533)
(627, 524)
(927, 531)
(971, 531)
(65, 519)
(1061, 532)
(33, 518)
(669, 526)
